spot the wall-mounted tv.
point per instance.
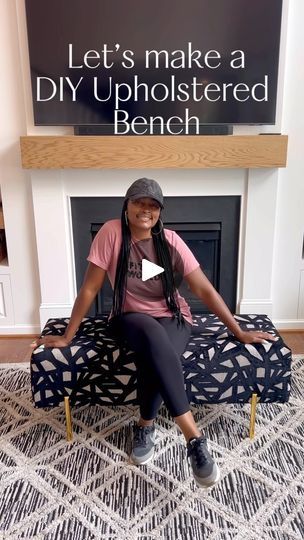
(112, 63)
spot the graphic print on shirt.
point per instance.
(143, 296)
(152, 288)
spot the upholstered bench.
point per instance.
(217, 367)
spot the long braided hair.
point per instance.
(163, 259)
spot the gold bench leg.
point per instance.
(254, 398)
(69, 427)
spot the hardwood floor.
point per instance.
(15, 349)
(294, 340)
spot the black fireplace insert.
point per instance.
(209, 226)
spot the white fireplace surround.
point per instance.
(52, 190)
(38, 276)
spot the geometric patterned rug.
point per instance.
(88, 489)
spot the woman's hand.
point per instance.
(50, 342)
(203, 289)
(255, 336)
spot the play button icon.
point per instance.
(149, 270)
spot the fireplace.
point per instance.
(208, 224)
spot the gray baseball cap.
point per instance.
(145, 187)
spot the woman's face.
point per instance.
(143, 213)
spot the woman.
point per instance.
(151, 316)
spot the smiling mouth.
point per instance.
(145, 218)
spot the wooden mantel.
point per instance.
(153, 152)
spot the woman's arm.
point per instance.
(93, 281)
(203, 289)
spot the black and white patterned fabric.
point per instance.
(217, 367)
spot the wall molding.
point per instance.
(51, 311)
(289, 324)
(252, 306)
(20, 329)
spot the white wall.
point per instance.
(285, 187)
(22, 278)
(290, 211)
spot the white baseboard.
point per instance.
(19, 329)
(258, 306)
(289, 324)
(50, 311)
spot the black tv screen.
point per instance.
(127, 64)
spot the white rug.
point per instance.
(88, 490)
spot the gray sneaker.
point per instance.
(143, 444)
(205, 471)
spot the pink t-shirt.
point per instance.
(142, 296)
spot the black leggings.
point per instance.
(159, 344)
